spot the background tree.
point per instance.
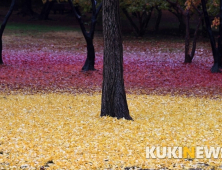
(139, 12)
(91, 6)
(3, 27)
(27, 8)
(114, 102)
(48, 4)
(216, 50)
(90, 60)
(184, 10)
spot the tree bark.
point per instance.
(89, 36)
(3, 27)
(90, 60)
(215, 67)
(114, 102)
(188, 58)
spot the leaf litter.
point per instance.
(67, 131)
(50, 109)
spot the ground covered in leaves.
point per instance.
(49, 112)
(64, 131)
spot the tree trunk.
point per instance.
(1, 60)
(44, 15)
(143, 21)
(215, 67)
(147, 19)
(220, 38)
(188, 58)
(114, 102)
(196, 36)
(27, 8)
(204, 30)
(136, 29)
(90, 60)
(182, 25)
(3, 27)
(159, 16)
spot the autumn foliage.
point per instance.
(50, 109)
(49, 112)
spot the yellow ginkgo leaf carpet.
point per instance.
(64, 131)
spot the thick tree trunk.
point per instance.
(215, 67)
(114, 102)
(3, 27)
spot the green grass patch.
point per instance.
(38, 27)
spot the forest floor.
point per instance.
(49, 112)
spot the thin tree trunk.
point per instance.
(143, 21)
(1, 60)
(195, 37)
(204, 31)
(220, 38)
(188, 58)
(3, 27)
(44, 15)
(136, 29)
(140, 17)
(159, 16)
(182, 25)
(114, 102)
(215, 67)
(89, 36)
(27, 8)
(147, 20)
